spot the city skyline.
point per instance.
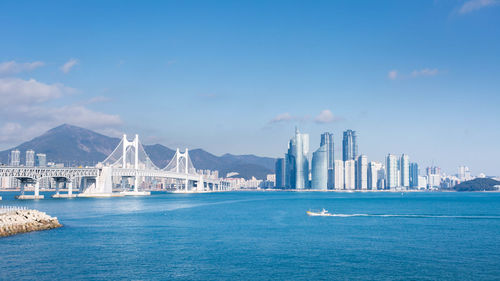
(389, 71)
(319, 170)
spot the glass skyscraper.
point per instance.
(280, 173)
(297, 163)
(414, 175)
(405, 170)
(349, 146)
(319, 169)
(327, 140)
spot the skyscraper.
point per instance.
(280, 173)
(464, 173)
(339, 174)
(15, 157)
(405, 170)
(319, 168)
(373, 174)
(41, 159)
(349, 146)
(297, 164)
(392, 171)
(327, 140)
(414, 175)
(349, 175)
(362, 172)
(30, 158)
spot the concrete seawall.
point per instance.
(22, 221)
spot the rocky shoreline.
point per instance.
(21, 221)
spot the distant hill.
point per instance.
(478, 184)
(76, 146)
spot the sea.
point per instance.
(261, 236)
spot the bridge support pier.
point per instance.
(69, 186)
(37, 190)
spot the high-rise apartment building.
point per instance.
(414, 172)
(30, 158)
(373, 174)
(349, 146)
(349, 175)
(339, 174)
(297, 163)
(41, 159)
(464, 173)
(279, 170)
(327, 140)
(15, 158)
(391, 171)
(404, 163)
(362, 173)
(319, 169)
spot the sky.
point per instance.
(414, 77)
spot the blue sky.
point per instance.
(415, 77)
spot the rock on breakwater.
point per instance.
(22, 221)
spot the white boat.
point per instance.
(322, 213)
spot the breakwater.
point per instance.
(20, 221)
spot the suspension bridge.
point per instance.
(128, 162)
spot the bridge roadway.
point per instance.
(98, 180)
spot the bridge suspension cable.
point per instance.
(130, 155)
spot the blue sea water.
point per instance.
(261, 236)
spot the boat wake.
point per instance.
(416, 216)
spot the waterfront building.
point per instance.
(349, 146)
(433, 170)
(405, 170)
(297, 164)
(373, 174)
(15, 158)
(362, 173)
(392, 171)
(422, 182)
(280, 173)
(433, 177)
(433, 181)
(41, 159)
(349, 175)
(319, 169)
(464, 173)
(339, 174)
(30, 158)
(327, 140)
(414, 172)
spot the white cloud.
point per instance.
(69, 65)
(15, 91)
(13, 67)
(326, 116)
(474, 5)
(425, 72)
(284, 117)
(28, 111)
(393, 74)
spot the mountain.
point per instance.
(76, 146)
(478, 184)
